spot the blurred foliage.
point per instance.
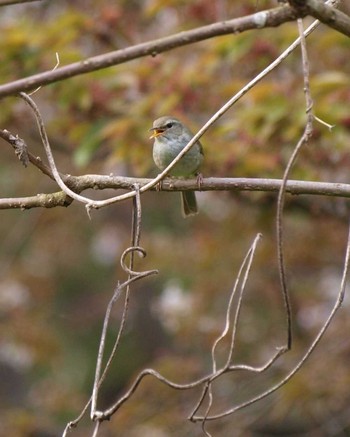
(59, 268)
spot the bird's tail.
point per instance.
(189, 203)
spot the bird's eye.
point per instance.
(169, 125)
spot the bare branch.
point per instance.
(326, 14)
(80, 183)
(54, 68)
(20, 147)
(49, 154)
(50, 200)
(281, 195)
(132, 276)
(15, 2)
(242, 281)
(119, 289)
(268, 18)
(117, 293)
(301, 362)
(16, 142)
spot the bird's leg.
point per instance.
(199, 180)
(159, 186)
(168, 180)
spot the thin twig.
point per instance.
(49, 153)
(125, 287)
(96, 429)
(312, 347)
(132, 275)
(98, 377)
(330, 126)
(54, 68)
(281, 195)
(245, 271)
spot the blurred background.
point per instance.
(59, 269)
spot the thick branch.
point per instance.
(269, 18)
(324, 13)
(98, 182)
(213, 184)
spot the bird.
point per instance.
(170, 137)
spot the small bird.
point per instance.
(170, 137)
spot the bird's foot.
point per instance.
(199, 181)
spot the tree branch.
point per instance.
(99, 182)
(268, 18)
(326, 14)
(21, 150)
(50, 200)
(14, 2)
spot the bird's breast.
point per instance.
(164, 152)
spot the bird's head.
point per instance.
(166, 126)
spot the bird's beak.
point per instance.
(156, 132)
